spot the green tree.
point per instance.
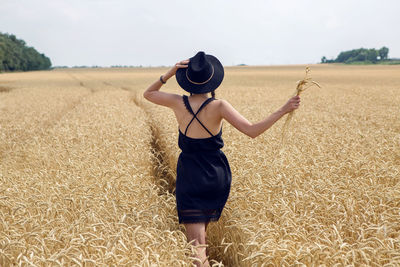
(383, 53)
(16, 56)
(361, 54)
(372, 55)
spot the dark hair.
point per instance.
(212, 94)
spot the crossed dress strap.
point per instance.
(189, 108)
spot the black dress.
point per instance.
(203, 175)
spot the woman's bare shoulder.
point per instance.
(222, 103)
(223, 106)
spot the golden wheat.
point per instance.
(301, 86)
(305, 206)
(88, 167)
(75, 190)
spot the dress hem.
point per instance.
(198, 220)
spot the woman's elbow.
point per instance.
(146, 95)
(253, 135)
(249, 131)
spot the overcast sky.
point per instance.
(161, 32)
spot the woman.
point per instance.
(203, 173)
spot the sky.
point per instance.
(160, 32)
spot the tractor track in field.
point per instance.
(82, 84)
(4, 89)
(69, 107)
(45, 126)
(162, 171)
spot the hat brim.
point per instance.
(211, 85)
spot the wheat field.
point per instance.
(87, 170)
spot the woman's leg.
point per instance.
(205, 235)
(197, 232)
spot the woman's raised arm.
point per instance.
(253, 130)
(161, 98)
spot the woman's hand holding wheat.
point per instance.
(292, 104)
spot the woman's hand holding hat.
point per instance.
(171, 72)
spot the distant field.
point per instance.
(87, 170)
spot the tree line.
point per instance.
(16, 56)
(367, 56)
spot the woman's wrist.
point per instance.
(282, 111)
(162, 80)
(166, 76)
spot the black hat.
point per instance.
(203, 74)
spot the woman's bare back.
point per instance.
(210, 116)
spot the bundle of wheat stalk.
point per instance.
(302, 85)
